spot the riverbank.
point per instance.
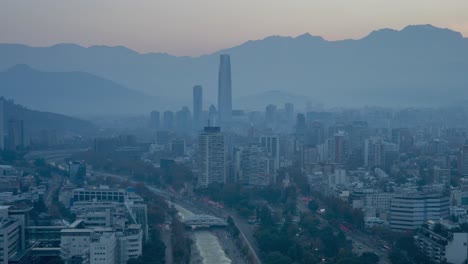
(229, 246)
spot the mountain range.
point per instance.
(37, 121)
(73, 93)
(419, 65)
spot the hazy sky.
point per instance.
(194, 27)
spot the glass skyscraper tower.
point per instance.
(224, 89)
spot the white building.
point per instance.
(74, 243)
(9, 238)
(129, 244)
(211, 163)
(338, 177)
(411, 210)
(443, 244)
(102, 249)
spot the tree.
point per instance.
(369, 258)
(277, 258)
(313, 205)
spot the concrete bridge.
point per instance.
(206, 221)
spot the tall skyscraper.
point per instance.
(168, 120)
(211, 163)
(183, 120)
(2, 122)
(270, 114)
(224, 89)
(155, 120)
(197, 107)
(289, 108)
(338, 148)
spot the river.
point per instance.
(206, 242)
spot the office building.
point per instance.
(183, 120)
(224, 90)
(197, 107)
(211, 157)
(270, 114)
(316, 133)
(168, 120)
(155, 120)
(289, 109)
(301, 128)
(410, 210)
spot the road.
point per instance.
(361, 242)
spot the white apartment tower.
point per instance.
(211, 161)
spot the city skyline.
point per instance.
(21, 22)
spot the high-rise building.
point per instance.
(213, 116)
(270, 114)
(197, 107)
(2, 123)
(211, 160)
(168, 120)
(289, 109)
(463, 161)
(15, 134)
(183, 120)
(373, 152)
(272, 148)
(338, 148)
(255, 166)
(316, 133)
(224, 89)
(155, 120)
(301, 127)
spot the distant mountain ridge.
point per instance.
(420, 65)
(37, 121)
(73, 93)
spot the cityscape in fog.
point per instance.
(278, 150)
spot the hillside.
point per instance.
(72, 93)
